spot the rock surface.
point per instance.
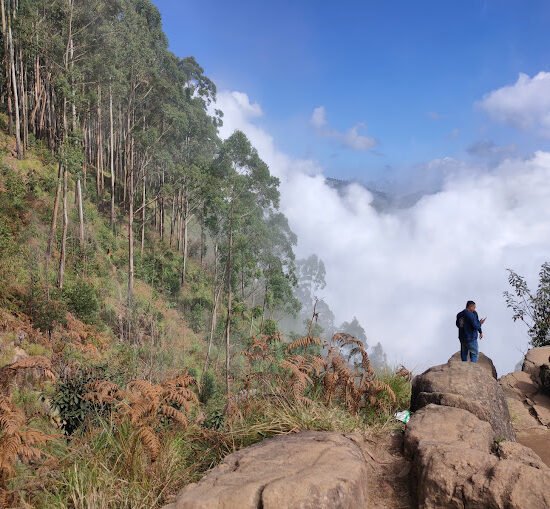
(455, 440)
(305, 470)
(529, 402)
(483, 361)
(468, 386)
(534, 360)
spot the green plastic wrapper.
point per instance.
(403, 416)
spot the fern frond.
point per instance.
(174, 414)
(303, 342)
(344, 339)
(150, 441)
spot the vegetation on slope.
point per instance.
(144, 269)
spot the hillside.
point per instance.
(145, 268)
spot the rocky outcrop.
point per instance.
(529, 402)
(471, 387)
(309, 470)
(535, 359)
(462, 443)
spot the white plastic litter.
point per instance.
(403, 416)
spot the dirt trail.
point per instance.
(388, 480)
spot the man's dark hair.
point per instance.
(470, 303)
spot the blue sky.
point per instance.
(412, 72)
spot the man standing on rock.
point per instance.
(469, 325)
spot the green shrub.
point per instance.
(45, 312)
(81, 299)
(7, 243)
(69, 400)
(208, 387)
(15, 189)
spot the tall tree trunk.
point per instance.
(143, 218)
(185, 238)
(7, 66)
(130, 239)
(99, 147)
(61, 274)
(14, 89)
(112, 158)
(229, 314)
(161, 204)
(24, 106)
(216, 294)
(172, 219)
(53, 225)
(80, 213)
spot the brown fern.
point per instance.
(303, 342)
(143, 404)
(403, 372)
(17, 440)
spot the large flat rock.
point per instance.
(468, 386)
(436, 424)
(309, 470)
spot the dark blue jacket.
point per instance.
(468, 325)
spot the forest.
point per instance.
(153, 315)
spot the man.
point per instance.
(469, 325)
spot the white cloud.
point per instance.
(318, 117)
(405, 274)
(490, 150)
(351, 138)
(525, 104)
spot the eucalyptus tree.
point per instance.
(248, 191)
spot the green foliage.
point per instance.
(81, 299)
(215, 419)
(7, 241)
(45, 311)
(160, 268)
(270, 327)
(16, 190)
(208, 387)
(69, 400)
(531, 308)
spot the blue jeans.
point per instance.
(469, 347)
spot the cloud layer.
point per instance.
(405, 274)
(351, 138)
(525, 104)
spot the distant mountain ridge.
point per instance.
(382, 201)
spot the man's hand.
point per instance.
(481, 335)
(482, 321)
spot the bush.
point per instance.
(69, 400)
(208, 388)
(7, 243)
(82, 300)
(15, 190)
(45, 312)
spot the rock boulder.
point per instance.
(468, 386)
(455, 441)
(534, 360)
(309, 470)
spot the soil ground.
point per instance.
(388, 479)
